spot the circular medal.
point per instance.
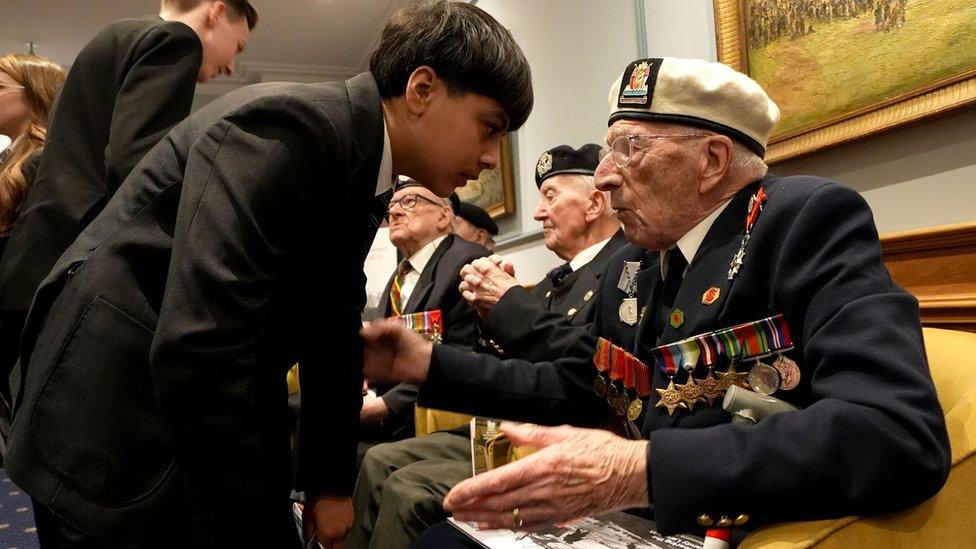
(764, 379)
(628, 311)
(789, 372)
(611, 393)
(599, 385)
(634, 410)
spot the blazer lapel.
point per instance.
(709, 269)
(420, 292)
(384, 303)
(648, 281)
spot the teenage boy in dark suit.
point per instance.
(153, 404)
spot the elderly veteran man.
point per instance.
(426, 280)
(737, 245)
(401, 486)
(473, 223)
(581, 228)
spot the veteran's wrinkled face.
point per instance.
(562, 211)
(468, 231)
(656, 194)
(426, 218)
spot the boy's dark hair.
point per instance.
(240, 8)
(467, 48)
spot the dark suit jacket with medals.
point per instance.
(153, 410)
(541, 323)
(436, 289)
(127, 87)
(871, 437)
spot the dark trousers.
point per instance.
(54, 533)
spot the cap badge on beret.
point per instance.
(544, 164)
(634, 89)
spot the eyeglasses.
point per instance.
(408, 201)
(622, 148)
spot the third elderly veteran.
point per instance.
(580, 227)
(473, 223)
(401, 486)
(425, 280)
(685, 173)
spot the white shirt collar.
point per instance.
(691, 241)
(587, 254)
(384, 181)
(420, 258)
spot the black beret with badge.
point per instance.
(476, 216)
(565, 159)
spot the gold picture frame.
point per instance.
(494, 190)
(931, 98)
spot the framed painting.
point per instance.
(494, 190)
(844, 69)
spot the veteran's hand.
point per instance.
(577, 473)
(374, 409)
(329, 518)
(392, 352)
(484, 281)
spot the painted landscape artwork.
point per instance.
(494, 190)
(826, 60)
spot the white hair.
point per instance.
(586, 184)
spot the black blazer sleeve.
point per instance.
(521, 325)
(156, 94)
(547, 393)
(234, 247)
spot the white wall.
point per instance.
(918, 176)
(575, 48)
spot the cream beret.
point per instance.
(694, 92)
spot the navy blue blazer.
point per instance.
(871, 436)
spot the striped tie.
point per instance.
(396, 306)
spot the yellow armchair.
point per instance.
(945, 521)
(430, 420)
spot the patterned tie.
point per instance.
(396, 306)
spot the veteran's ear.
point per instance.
(715, 161)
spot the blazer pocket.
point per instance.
(96, 422)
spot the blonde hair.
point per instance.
(41, 79)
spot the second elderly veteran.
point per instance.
(582, 229)
(686, 139)
(425, 280)
(473, 224)
(401, 485)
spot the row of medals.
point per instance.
(763, 378)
